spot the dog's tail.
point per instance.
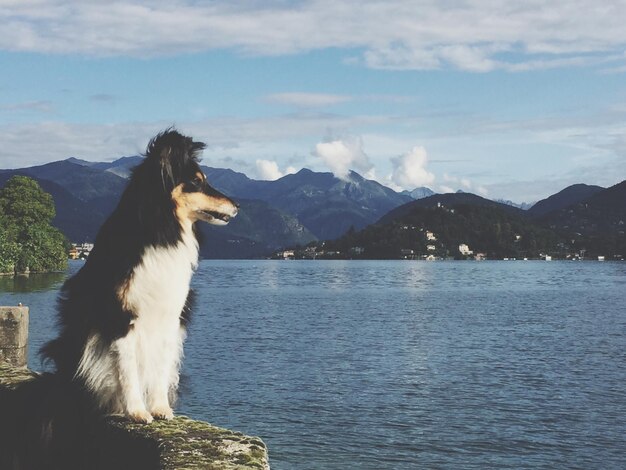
(44, 424)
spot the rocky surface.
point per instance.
(180, 443)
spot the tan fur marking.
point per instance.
(187, 204)
(122, 293)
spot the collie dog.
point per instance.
(123, 316)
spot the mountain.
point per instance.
(85, 194)
(562, 199)
(120, 167)
(258, 230)
(293, 210)
(83, 182)
(524, 205)
(419, 193)
(326, 205)
(329, 206)
(596, 224)
(449, 200)
(231, 182)
(601, 215)
(438, 229)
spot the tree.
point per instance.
(28, 241)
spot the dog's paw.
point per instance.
(140, 416)
(162, 412)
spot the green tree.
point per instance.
(28, 241)
(9, 250)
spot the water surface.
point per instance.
(402, 365)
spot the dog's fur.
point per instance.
(123, 315)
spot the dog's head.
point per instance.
(176, 157)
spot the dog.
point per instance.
(123, 315)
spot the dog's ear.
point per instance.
(172, 151)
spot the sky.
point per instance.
(512, 100)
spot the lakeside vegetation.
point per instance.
(28, 241)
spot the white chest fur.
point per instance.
(140, 370)
(159, 284)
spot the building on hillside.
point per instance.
(430, 236)
(464, 249)
(80, 250)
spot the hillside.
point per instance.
(485, 228)
(450, 200)
(324, 204)
(84, 183)
(564, 198)
(596, 223)
(246, 237)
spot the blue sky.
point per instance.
(504, 99)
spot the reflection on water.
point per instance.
(31, 282)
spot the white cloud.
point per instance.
(427, 34)
(268, 170)
(32, 144)
(409, 169)
(249, 139)
(343, 155)
(307, 100)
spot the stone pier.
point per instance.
(14, 336)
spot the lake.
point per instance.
(402, 364)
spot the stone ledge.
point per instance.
(181, 443)
(184, 443)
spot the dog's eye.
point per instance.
(197, 181)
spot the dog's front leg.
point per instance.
(164, 385)
(158, 396)
(130, 384)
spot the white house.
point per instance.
(464, 249)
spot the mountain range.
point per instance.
(293, 210)
(306, 206)
(579, 221)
